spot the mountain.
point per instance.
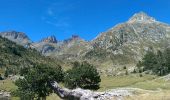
(18, 37)
(67, 49)
(127, 42)
(122, 45)
(45, 46)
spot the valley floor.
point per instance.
(147, 87)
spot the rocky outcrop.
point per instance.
(50, 39)
(141, 17)
(73, 38)
(4, 95)
(47, 49)
(81, 94)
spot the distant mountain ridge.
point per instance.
(122, 44)
(18, 37)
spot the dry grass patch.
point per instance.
(160, 95)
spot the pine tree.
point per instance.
(36, 82)
(84, 76)
(149, 60)
(6, 73)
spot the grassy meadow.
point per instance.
(153, 87)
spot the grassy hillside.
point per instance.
(13, 57)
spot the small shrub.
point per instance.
(140, 75)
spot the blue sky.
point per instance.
(86, 18)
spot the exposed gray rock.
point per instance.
(50, 39)
(18, 37)
(81, 94)
(47, 49)
(141, 17)
(4, 95)
(166, 78)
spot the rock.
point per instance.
(4, 95)
(18, 37)
(81, 94)
(141, 17)
(166, 78)
(50, 39)
(47, 49)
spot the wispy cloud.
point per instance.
(59, 23)
(50, 12)
(56, 14)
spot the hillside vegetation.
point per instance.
(13, 57)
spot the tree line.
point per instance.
(156, 62)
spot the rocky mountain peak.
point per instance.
(141, 17)
(73, 38)
(18, 37)
(50, 39)
(14, 35)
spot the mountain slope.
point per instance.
(14, 57)
(127, 42)
(67, 49)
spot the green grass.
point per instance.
(147, 82)
(15, 98)
(122, 81)
(53, 97)
(7, 85)
(153, 85)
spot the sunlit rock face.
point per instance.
(50, 39)
(141, 17)
(18, 37)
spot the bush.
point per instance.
(82, 75)
(134, 71)
(1, 77)
(6, 73)
(140, 75)
(126, 73)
